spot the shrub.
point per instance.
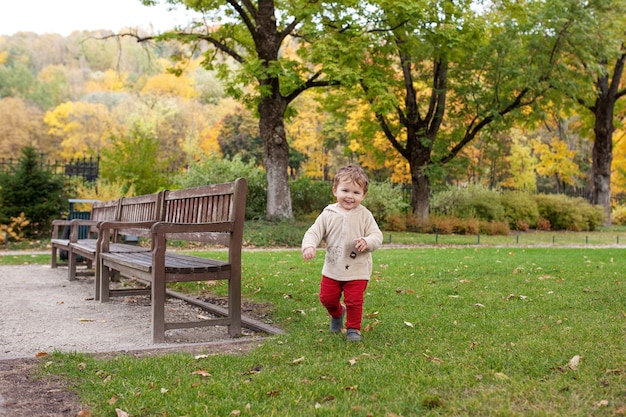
(309, 196)
(474, 201)
(396, 223)
(520, 210)
(566, 213)
(543, 224)
(469, 226)
(272, 234)
(592, 214)
(31, 190)
(15, 230)
(384, 200)
(446, 225)
(618, 216)
(494, 228)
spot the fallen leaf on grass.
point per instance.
(371, 315)
(113, 399)
(297, 361)
(121, 413)
(433, 359)
(352, 388)
(408, 323)
(371, 326)
(621, 410)
(602, 403)
(500, 376)
(84, 413)
(574, 363)
(201, 372)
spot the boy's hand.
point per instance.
(308, 253)
(360, 244)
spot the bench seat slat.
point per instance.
(175, 263)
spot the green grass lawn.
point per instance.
(448, 332)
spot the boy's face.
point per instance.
(349, 194)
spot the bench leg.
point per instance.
(53, 260)
(71, 265)
(234, 306)
(102, 286)
(98, 277)
(158, 309)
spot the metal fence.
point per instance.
(85, 168)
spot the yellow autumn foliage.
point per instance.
(83, 128)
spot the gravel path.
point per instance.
(41, 311)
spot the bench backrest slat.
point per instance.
(207, 204)
(103, 210)
(140, 209)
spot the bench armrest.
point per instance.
(163, 228)
(109, 228)
(58, 226)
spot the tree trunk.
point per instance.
(276, 157)
(602, 153)
(602, 156)
(419, 160)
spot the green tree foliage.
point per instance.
(594, 78)
(436, 74)
(31, 190)
(16, 80)
(256, 35)
(135, 163)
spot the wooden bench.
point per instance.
(100, 211)
(210, 214)
(145, 208)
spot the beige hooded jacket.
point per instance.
(340, 228)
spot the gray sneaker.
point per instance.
(337, 324)
(353, 335)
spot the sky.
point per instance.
(65, 16)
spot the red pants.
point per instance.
(353, 292)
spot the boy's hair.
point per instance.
(352, 172)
